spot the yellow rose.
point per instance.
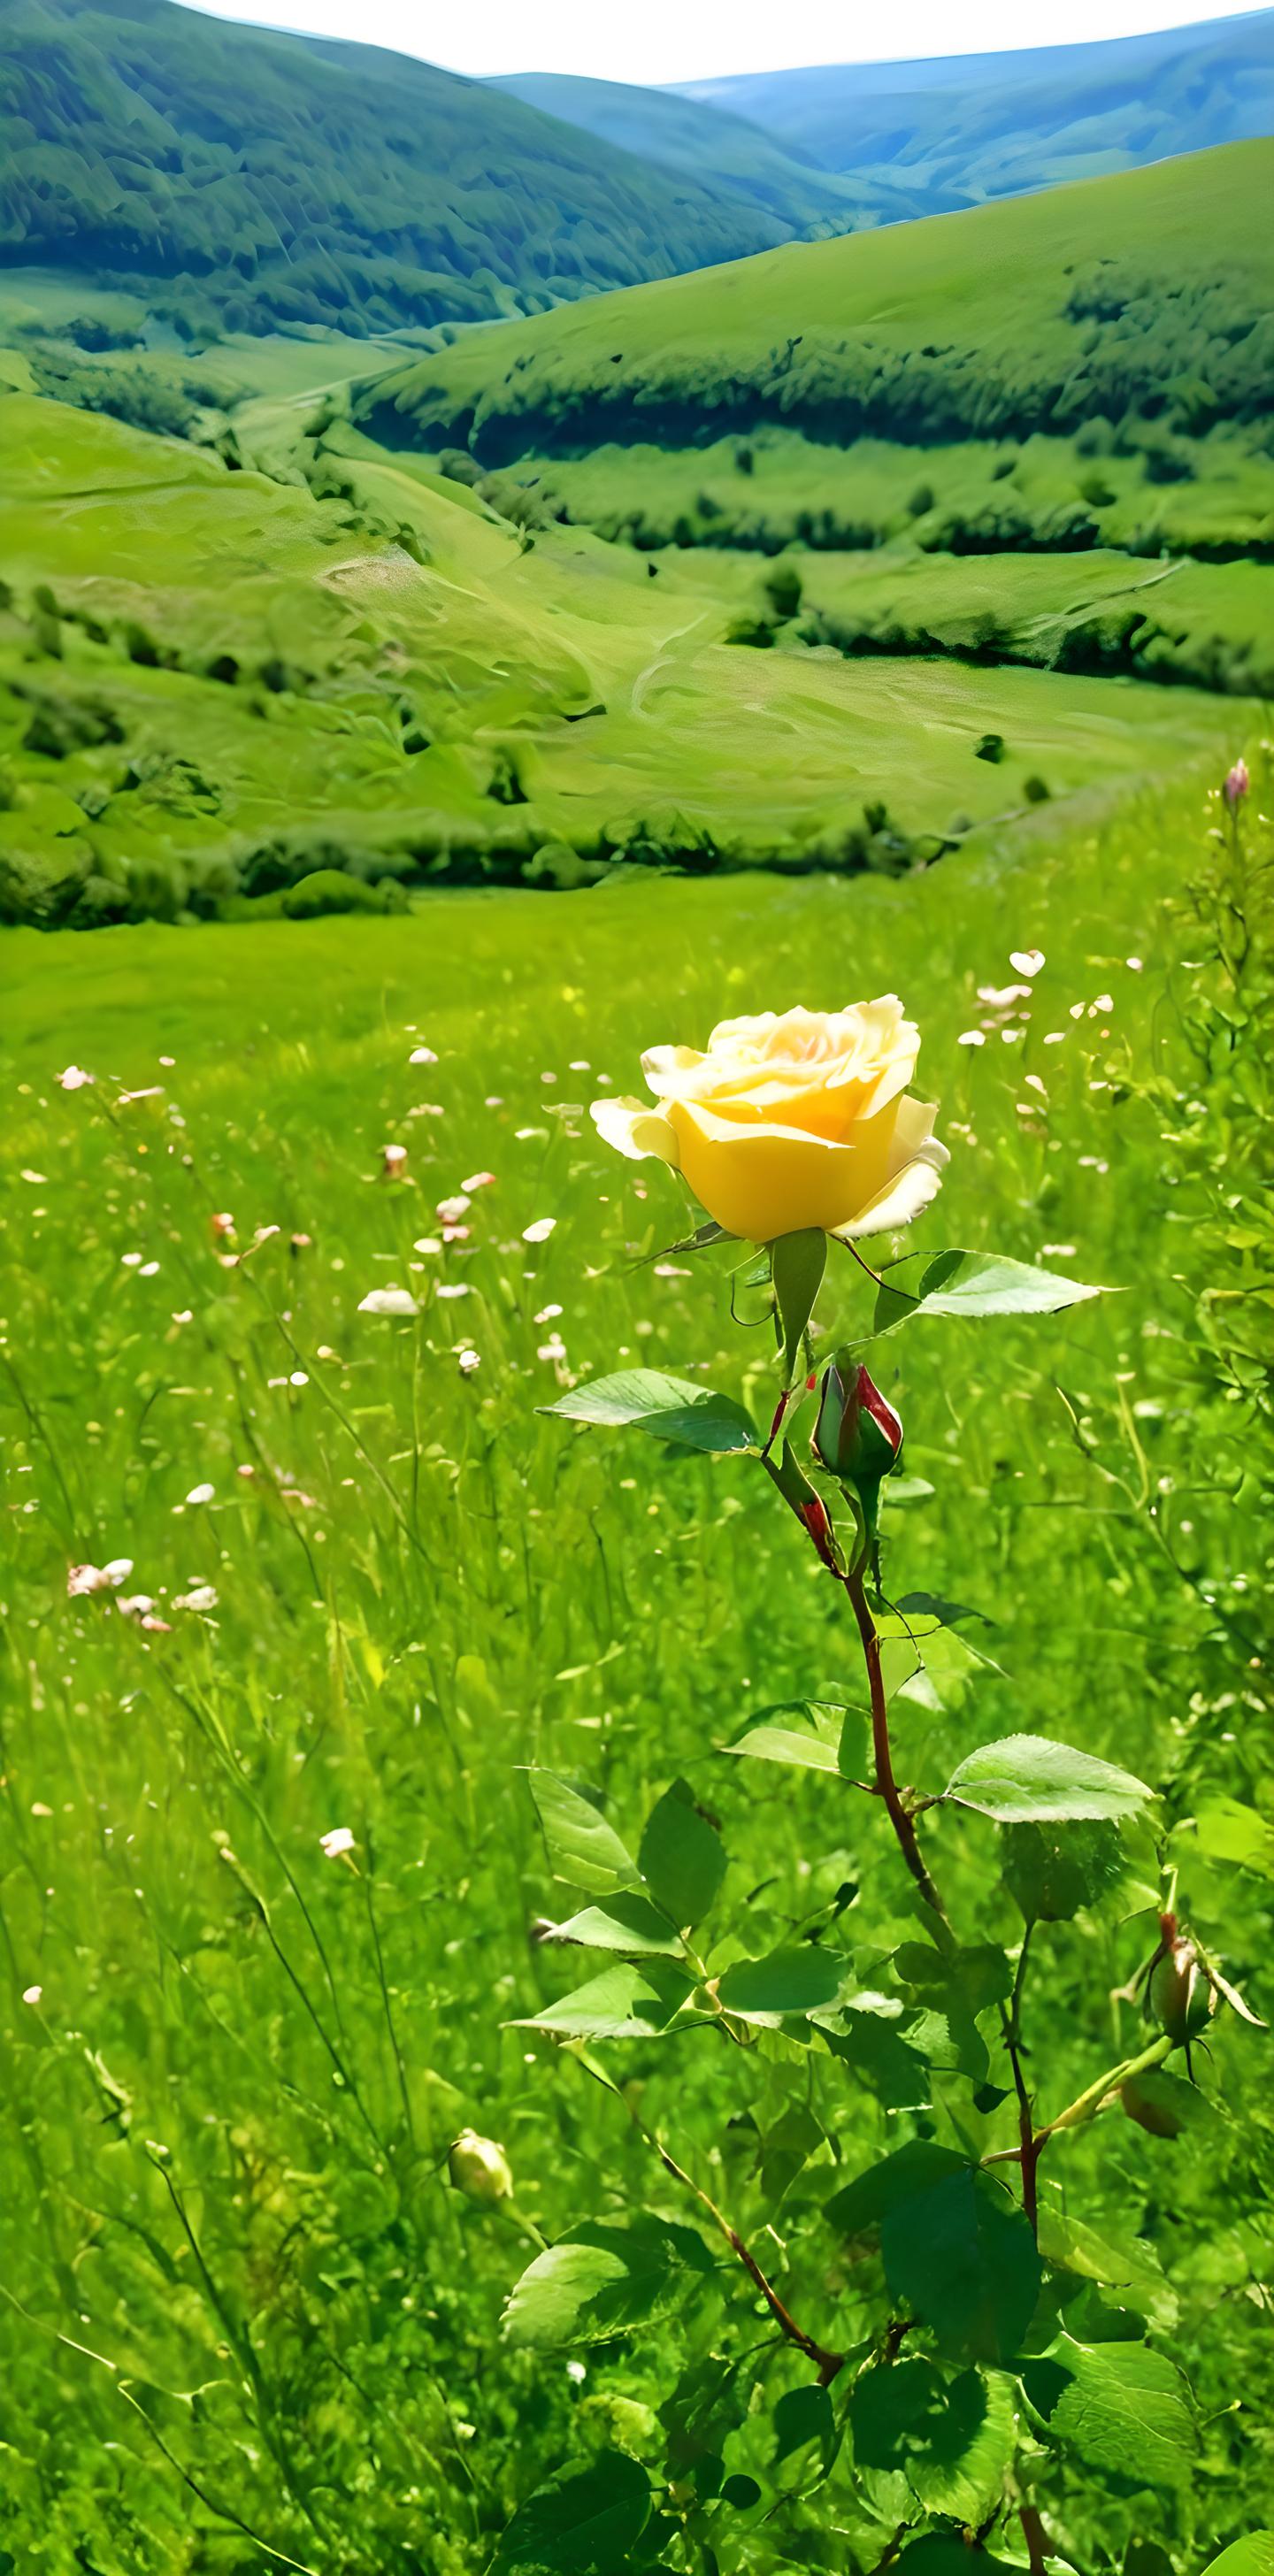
(802, 1119)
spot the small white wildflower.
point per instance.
(971, 1037)
(201, 1494)
(201, 1597)
(548, 1314)
(427, 1243)
(388, 1301)
(479, 1181)
(1026, 961)
(74, 1078)
(467, 1360)
(540, 1230)
(337, 1842)
(422, 1055)
(32, 1994)
(450, 1211)
(454, 1288)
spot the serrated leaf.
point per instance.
(897, 2178)
(1029, 1779)
(1131, 2268)
(681, 1857)
(679, 1409)
(627, 1923)
(970, 1283)
(624, 2002)
(811, 1734)
(1051, 1870)
(582, 1848)
(952, 2439)
(962, 2256)
(790, 1982)
(602, 2281)
(797, 1264)
(584, 2521)
(1117, 2406)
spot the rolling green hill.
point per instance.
(970, 126)
(1150, 293)
(244, 180)
(725, 151)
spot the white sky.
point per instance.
(680, 40)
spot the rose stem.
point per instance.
(828, 2364)
(886, 1784)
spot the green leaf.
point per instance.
(803, 2415)
(602, 2281)
(623, 2003)
(1251, 2557)
(797, 1263)
(1117, 2406)
(681, 1858)
(1028, 1779)
(1229, 1831)
(811, 1734)
(585, 2521)
(952, 2439)
(958, 1985)
(1133, 2269)
(936, 2556)
(799, 1980)
(962, 2256)
(627, 1923)
(896, 2179)
(970, 1283)
(669, 1408)
(582, 1847)
(1051, 1871)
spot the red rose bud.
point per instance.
(858, 1436)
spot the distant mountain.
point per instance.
(253, 181)
(726, 152)
(972, 126)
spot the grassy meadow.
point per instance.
(248, 2323)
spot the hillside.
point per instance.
(247, 181)
(712, 145)
(1150, 292)
(969, 126)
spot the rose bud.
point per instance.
(1236, 786)
(479, 2168)
(1181, 1996)
(858, 1436)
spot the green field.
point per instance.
(248, 2322)
(1003, 321)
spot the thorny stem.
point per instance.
(899, 1815)
(1011, 2024)
(828, 2364)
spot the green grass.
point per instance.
(230, 2258)
(790, 489)
(234, 676)
(1006, 320)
